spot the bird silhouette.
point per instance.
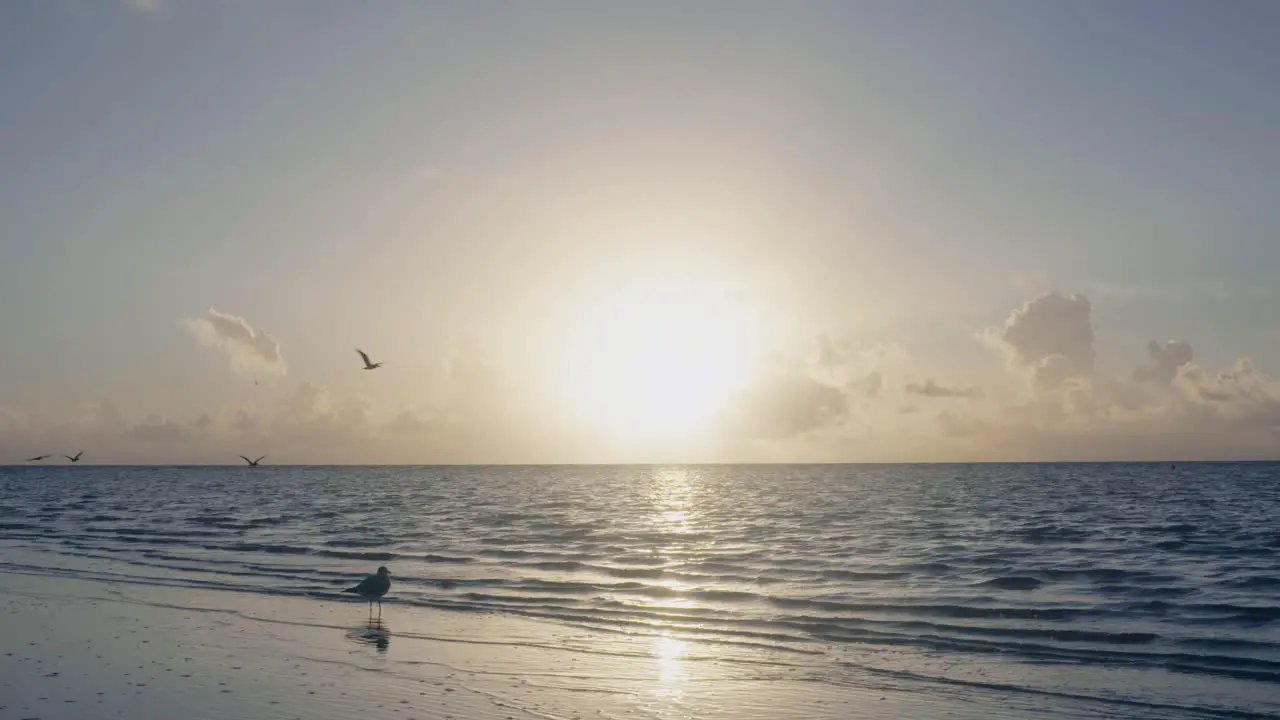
(38, 458)
(373, 587)
(253, 463)
(74, 458)
(368, 364)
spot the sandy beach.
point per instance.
(78, 648)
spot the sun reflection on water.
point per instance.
(673, 501)
(674, 517)
(670, 651)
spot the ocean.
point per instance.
(1120, 590)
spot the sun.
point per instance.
(660, 361)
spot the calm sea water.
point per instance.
(1147, 590)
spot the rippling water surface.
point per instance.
(1150, 589)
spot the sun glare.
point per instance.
(658, 362)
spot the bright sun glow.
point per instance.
(658, 362)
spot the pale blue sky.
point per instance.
(385, 174)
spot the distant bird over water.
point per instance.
(253, 463)
(373, 588)
(368, 364)
(38, 458)
(74, 458)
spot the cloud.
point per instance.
(1053, 372)
(861, 368)
(879, 355)
(816, 395)
(1165, 408)
(304, 424)
(250, 351)
(954, 425)
(786, 404)
(475, 388)
(833, 398)
(158, 429)
(868, 386)
(831, 353)
(478, 417)
(1051, 336)
(144, 5)
(1242, 384)
(1166, 358)
(929, 388)
(407, 423)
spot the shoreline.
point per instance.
(80, 648)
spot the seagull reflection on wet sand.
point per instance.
(374, 632)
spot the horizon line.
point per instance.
(648, 464)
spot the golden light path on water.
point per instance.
(673, 515)
(670, 652)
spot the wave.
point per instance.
(1035, 575)
(357, 543)
(1105, 574)
(1254, 582)
(446, 559)
(373, 556)
(273, 549)
(1184, 710)
(18, 526)
(858, 576)
(1013, 582)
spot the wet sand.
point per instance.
(81, 649)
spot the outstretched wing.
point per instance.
(364, 356)
(264, 457)
(246, 459)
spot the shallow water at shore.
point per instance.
(1143, 590)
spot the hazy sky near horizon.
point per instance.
(882, 196)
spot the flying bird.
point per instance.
(74, 458)
(368, 364)
(38, 458)
(253, 463)
(373, 588)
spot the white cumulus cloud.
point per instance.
(1051, 335)
(250, 351)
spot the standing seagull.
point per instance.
(253, 463)
(74, 458)
(373, 588)
(38, 458)
(368, 364)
